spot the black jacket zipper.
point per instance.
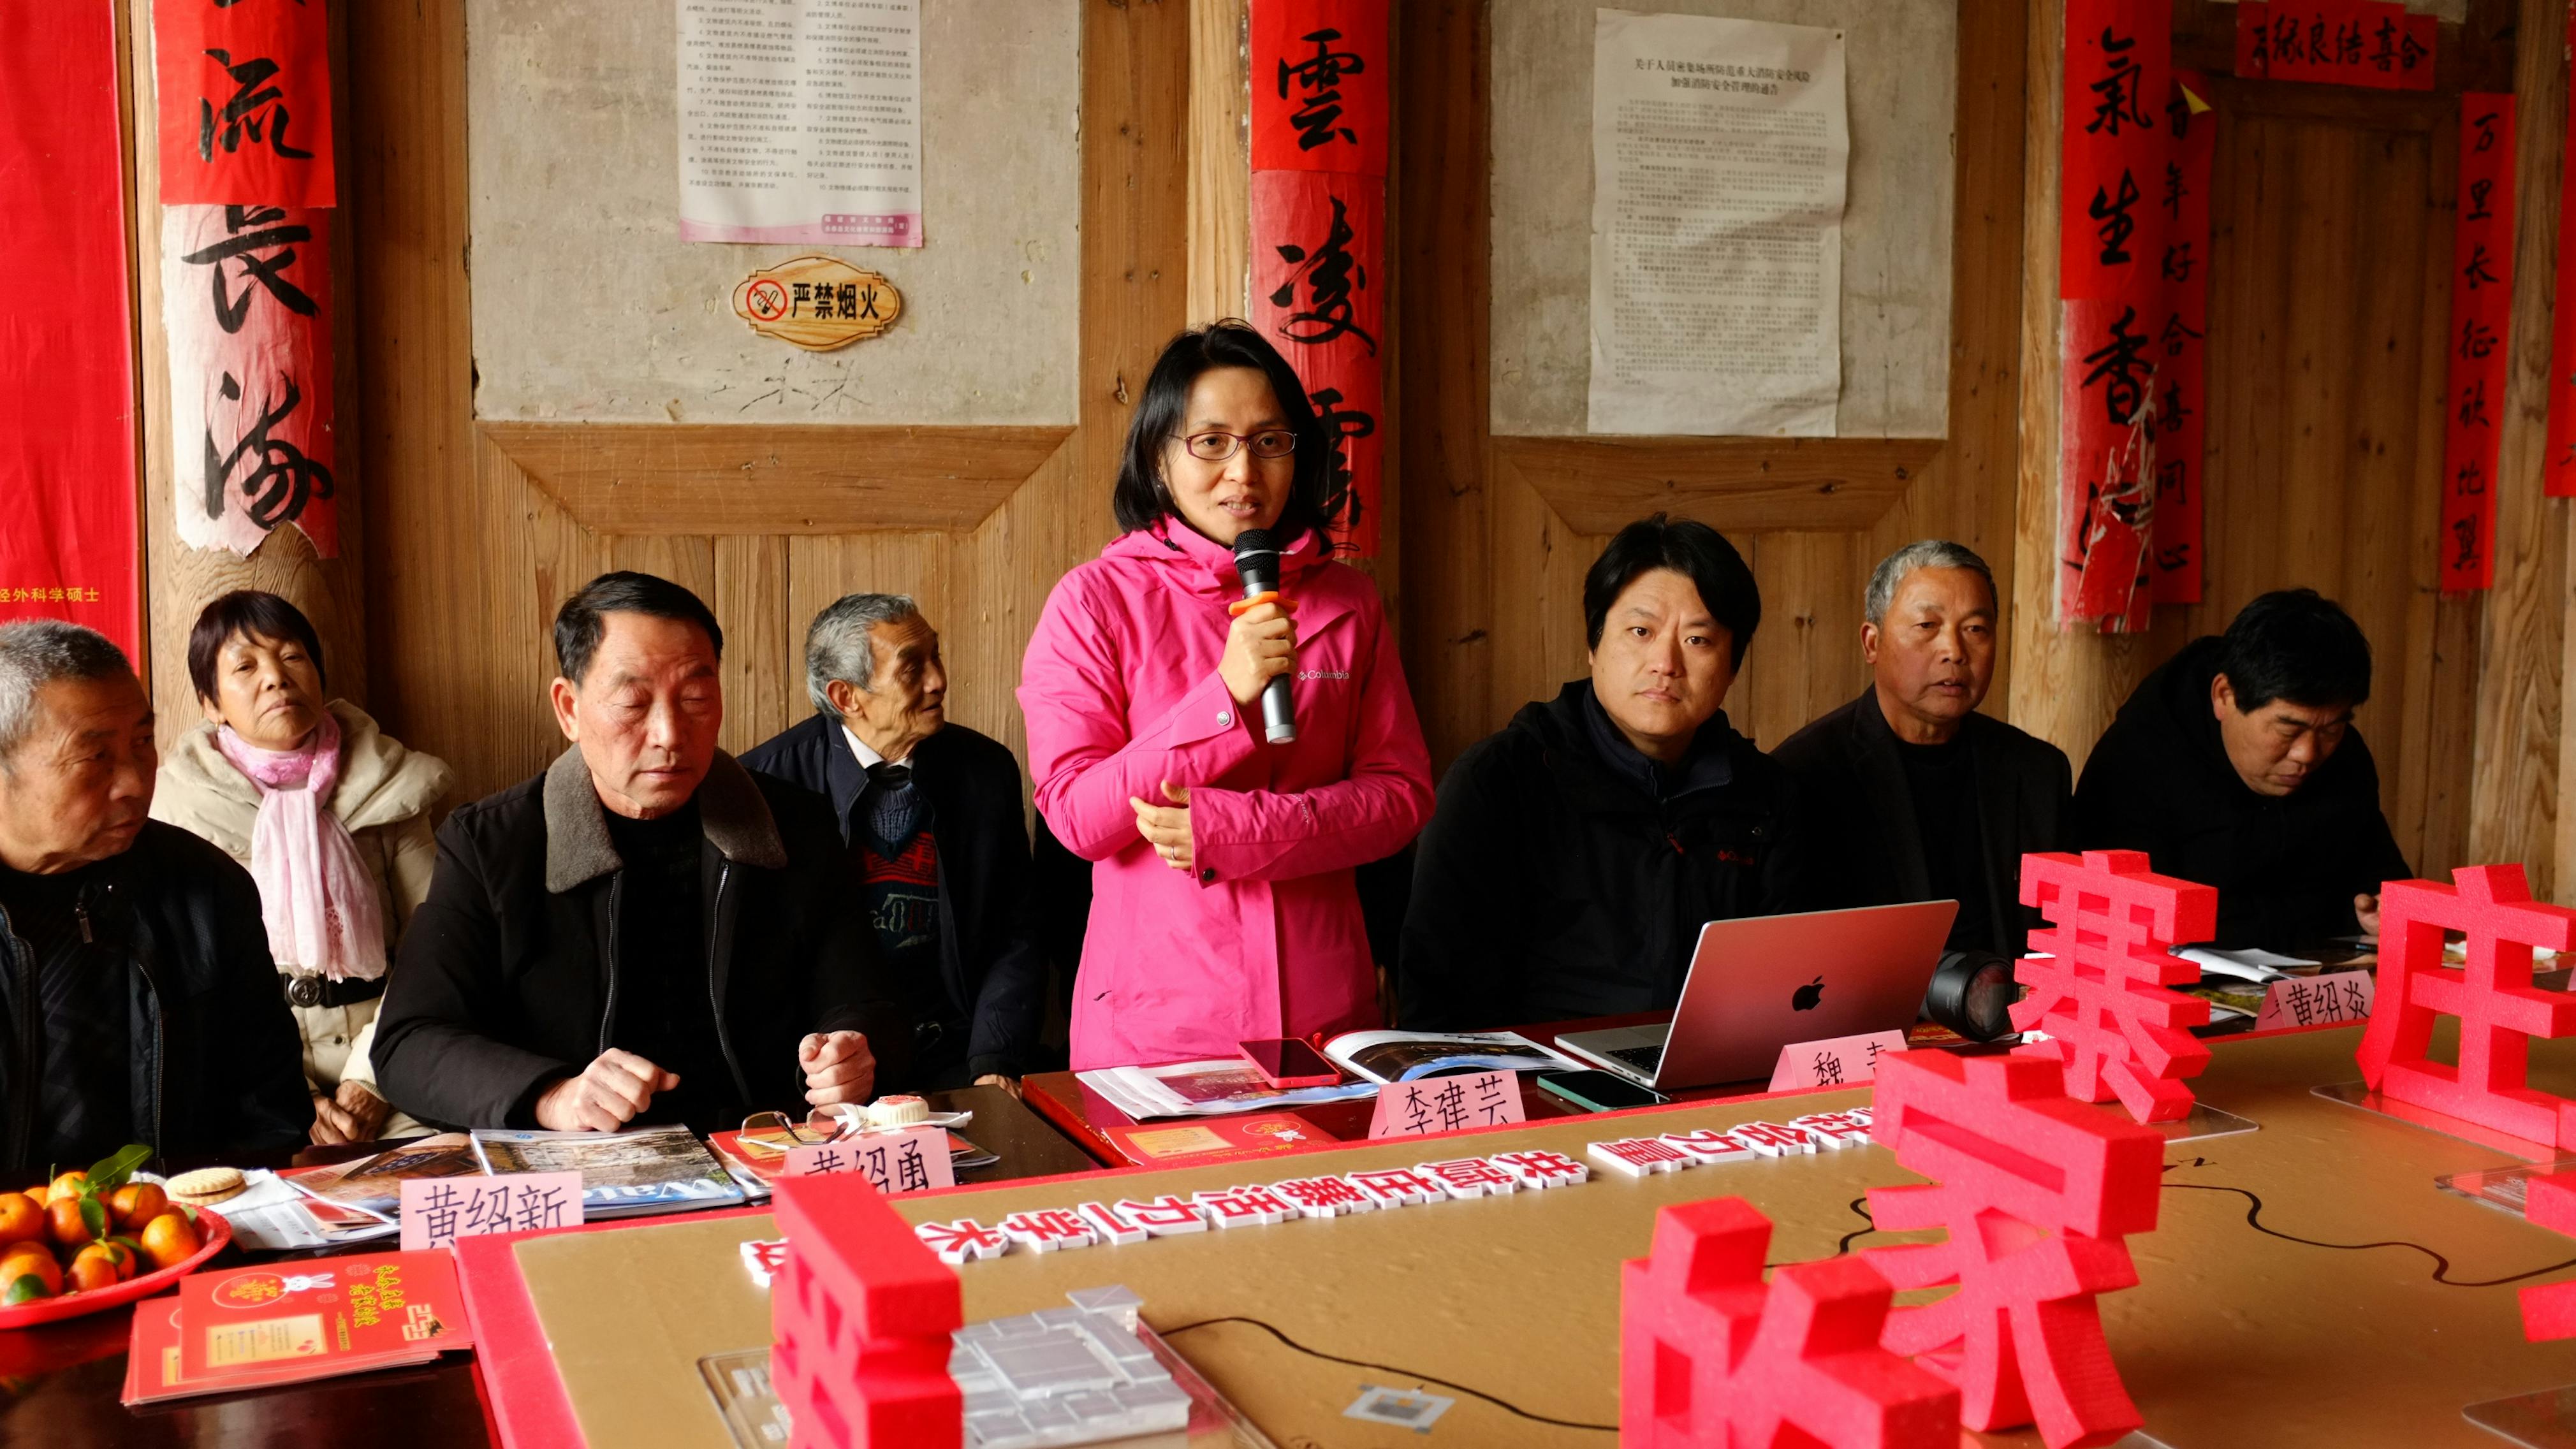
(608, 1015)
(715, 1003)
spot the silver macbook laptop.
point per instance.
(1765, 982)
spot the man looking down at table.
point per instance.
(1573, 858)
(2236, 765)
(134, 966)
(645, 933)
(1917, 797)
(939, 850)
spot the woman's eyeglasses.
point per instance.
(1215, 447)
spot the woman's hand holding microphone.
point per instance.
(1260, 646)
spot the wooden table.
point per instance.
(1079, 1112)
(62, 1381)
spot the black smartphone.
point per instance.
(1598, 1091)
(1284, 1061)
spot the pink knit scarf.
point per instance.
(314, 892)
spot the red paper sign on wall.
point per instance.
(69, 548)
(2185, 275)
(2481, 317)
(2558, 468)
(2115, 311)
(244, 91)
(1318, 228)
(2373, 43)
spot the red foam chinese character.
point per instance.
(2101, 996)
(1640, 1156)
(1537, 1168)
(1469, 1177)
(1048, 1229)
(1111, 1225)
(2549, 1310)
(1710, 1145)
(1709, 1357)
(961, 1240)
(1323, 1197)
(1772, 1139)
(861, 1316)
(1396, 1186)
(1165, 1216)
(1237, 1207)
(2492, 995)
(2036, 1191)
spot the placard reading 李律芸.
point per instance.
(1428, 1106)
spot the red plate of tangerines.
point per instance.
(89, 1241)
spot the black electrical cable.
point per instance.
(2441, 1265)
(1403, 1373)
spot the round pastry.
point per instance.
(206, 1185)
(897, 1111)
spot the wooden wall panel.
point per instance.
(473, 556)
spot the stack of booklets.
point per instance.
(287, 1323)
(623, 1174)
(1375, 1058)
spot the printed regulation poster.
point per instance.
(1720, 156)
(800, 121)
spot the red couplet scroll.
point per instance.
(244, 93)
(1320, 73)
(68, 546)
(2481, 318)
(2559, 471)
(2180, 447)
(2114, 304)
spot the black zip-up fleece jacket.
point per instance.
(1552, 883)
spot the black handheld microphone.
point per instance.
(1256, 557)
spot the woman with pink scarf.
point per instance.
(330, 816)
(1223, 907)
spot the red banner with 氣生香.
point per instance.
(244, 92)
(2558, 469)
(2481, 319)
(69, 548)
(2114, 306)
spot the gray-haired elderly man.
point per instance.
(132, 955)
(932, 815)
(1923, 798)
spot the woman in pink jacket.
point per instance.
(1222, 906)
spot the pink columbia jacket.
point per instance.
(1121, 693)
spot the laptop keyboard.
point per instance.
(1644, 1058)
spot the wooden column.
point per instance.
(1220, 162)
(179, 580)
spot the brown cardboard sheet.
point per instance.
(2234, 1336)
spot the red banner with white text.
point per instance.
(69, 549)
(2481, 319)
(1318, 229)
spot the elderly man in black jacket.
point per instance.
(2236, 765)
(1573, 858)
(938, 845)
(132, 954)
(1920, 797)
(645, 933)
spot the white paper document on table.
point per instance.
(1721, 152)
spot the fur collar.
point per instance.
(735, 818)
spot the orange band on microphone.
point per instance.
(1241, 607)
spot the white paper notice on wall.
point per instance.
(800, 122)
(1721, 151)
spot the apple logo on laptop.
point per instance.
(1808, 996)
